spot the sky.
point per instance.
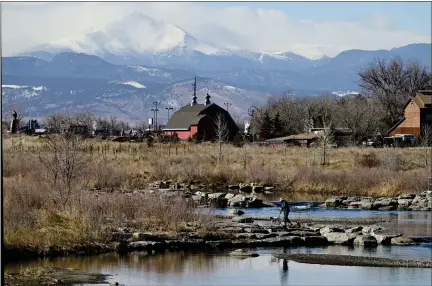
(307, 28)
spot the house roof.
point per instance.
(423, 97)
(186, 116)
(304, 136)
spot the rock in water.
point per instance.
(340, 238)
(365, 240)
(244, 253)
(384, 237)
(236, 212)
(402, 240)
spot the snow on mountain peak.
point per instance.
(317, 58)
(134, 34)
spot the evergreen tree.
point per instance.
(266, 127)
(277, 126)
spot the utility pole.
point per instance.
(154, 115)
(227, 104)
(156, 111)
(168, 109)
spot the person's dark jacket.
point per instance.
(284, 206)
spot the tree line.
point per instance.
(386, 87)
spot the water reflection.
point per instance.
(182, 268)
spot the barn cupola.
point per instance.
(207, 99)
(194, 97)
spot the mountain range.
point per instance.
(121, 69)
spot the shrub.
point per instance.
(150, 141)
(238, 141)
(368, 160)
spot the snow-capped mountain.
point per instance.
(133, 35)
(136, 60)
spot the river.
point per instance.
(410, 223)
(203, 268)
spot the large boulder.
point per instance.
(229, 196)
(384, 237)
(334, 202)
(323, 231)
(365, 240)
(402, 240)
(407, 196)
(420, 201)
(404, 203)
(356, 229)
(340, 238)
(356, 204)
(254, 203)
(216, 195)
(245, 188)
(257, 189)
(369, 229)
(315, 240)
(237, 201)
(383, 203)
(350, 200)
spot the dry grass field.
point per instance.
(46, 202)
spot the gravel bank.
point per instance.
(348, 260)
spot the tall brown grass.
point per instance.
(33, 216)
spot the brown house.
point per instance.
(417, 113)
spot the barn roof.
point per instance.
(186, 116)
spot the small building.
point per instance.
(200, 120)
(417, 114)
(300, 139)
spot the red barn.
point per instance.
(199, 119)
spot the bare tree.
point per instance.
(326, 134)
(83, 118)
(56, 122)
(66, 162)
(360, 114)
(393, 83)
(222, 133)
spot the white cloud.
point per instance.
(25, 26)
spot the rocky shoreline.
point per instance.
(408, 202)
(232, 232)
(257, 196)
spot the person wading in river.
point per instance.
(285, 210)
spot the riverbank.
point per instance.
(52, 276)
(349, 260)
(227, 232)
